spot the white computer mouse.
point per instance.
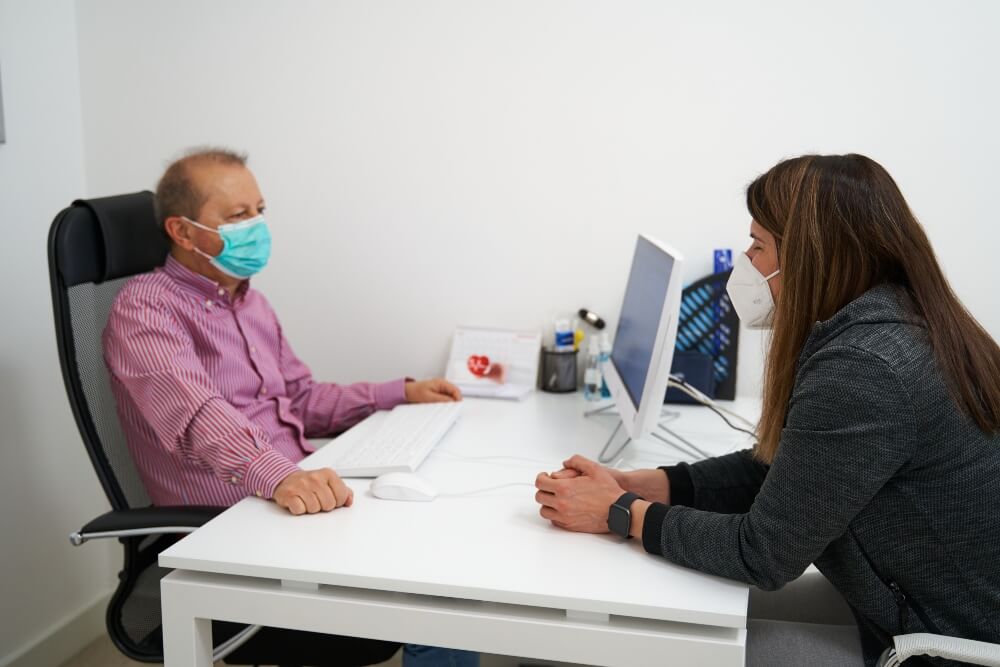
(402, 486)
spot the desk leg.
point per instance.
(187, 640)
(189, 599)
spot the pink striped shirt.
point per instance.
(213, 402)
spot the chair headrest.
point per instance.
(109, 237)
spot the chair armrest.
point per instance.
(941, 646)
(146, 521)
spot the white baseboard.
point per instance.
(66, 638)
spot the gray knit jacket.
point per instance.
(881, 480)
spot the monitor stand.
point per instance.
(666, 417)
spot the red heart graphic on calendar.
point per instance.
(478, 364)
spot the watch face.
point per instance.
(619, 519)
(620, 515)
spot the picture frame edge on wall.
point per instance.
(3, 134)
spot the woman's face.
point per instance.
(763, 254)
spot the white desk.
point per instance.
(482, 572)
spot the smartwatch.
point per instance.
(620, 515)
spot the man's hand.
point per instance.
(579, 496)
(437, 390)
(311, 491)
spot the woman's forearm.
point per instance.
(652, 484)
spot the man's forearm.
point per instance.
(236, 449)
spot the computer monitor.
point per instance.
(643, 348)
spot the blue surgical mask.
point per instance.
(246, 246)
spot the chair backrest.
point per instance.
(94, 247)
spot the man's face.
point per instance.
(231, 195)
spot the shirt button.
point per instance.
(253, 350)
(221, 291)
(263, 390)
(259, 494)
(232, 479)
(208, 303)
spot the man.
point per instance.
(213, 402)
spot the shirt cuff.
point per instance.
(266, 471)
(390, 394)
(652, 528)
(681, 486)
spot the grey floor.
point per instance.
(102, 653)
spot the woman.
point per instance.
(878, 455)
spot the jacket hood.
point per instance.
(882, 304)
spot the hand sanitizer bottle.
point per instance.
(592, 376)
(603, 358)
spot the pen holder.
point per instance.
(558, 371)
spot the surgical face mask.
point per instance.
(246, 246)
(750, 294)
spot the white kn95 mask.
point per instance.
(750, 293)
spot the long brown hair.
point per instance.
(843, 227)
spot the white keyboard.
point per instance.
(402, 441)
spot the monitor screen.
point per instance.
(640, 317)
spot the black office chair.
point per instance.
(94, 247)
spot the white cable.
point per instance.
(489, 458)
(495, 457)
(732, 413)
(708, 402)
(643, 464)
(489, 488)
(704, 399)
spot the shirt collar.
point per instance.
(202, 286)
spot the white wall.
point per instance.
(47, 487)
(445, 162)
